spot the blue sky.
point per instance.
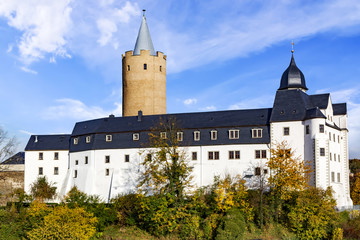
(60, 60)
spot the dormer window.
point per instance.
(197, 136)
(88, 139)
(256, 133)
(108, 138)
(180, 136)
(136, 136)
(163, 135)
(234, 134)
(213, 135)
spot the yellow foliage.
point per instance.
(65, 223)
(288, 173)
(355, 189)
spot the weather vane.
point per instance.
(292, 46)
(144, 12)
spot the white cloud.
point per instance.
(74, 109)
(106, 28)
(44, 25)
(190, 101)
(208, 108)
(28, 70)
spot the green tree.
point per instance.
(166, 168)
(355, 189)
(42, 190)
(65, 223)
(312, 215)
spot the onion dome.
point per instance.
(292, 77)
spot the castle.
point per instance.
(103, 156)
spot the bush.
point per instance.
(11, 226)
(232, 226)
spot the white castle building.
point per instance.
(103, 156)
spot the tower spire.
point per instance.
(143, 41)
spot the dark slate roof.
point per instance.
(339, 109)
(292, 77)
(48, 142)
(18, 158)
(320, 100)
(122, 129)
(218, 119)
(291, 105)
(314, 113)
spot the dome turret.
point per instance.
(293, 77)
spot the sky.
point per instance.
(60, 60)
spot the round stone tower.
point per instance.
(144, 77)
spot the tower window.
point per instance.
(75, 173)
(127, 158)
(76, 162)
(160, 69)
(56, 171)
(338, 177)
(107, 159)
(107, 172)
(194, 156)
(128, 67)
(321, 128)
(307, 129)
(86, 159)
(41, 171)
(286, 131)
(334, 137)
(56, 155)
(322, 151)
(41, 156)
(145, 66)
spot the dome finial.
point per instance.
(144, 12)
(292, 46)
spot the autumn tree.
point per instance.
(65, 223)
(166, 168)
(7, 145)
(42, 190)
(355, 189)
(287, 173)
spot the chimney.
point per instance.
(111, 115)
(36, 139)
(139, 116)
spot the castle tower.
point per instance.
(144, 77)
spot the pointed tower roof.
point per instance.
(143, 41)
(292, 77)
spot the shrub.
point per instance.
(232, 226)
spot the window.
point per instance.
(322, 151)
(339, 157)
(76, 162)
(234, 134)
(194, 156)
(136, 136)
(213, 135)
(56, 171)
(41, 156)
(86, 159)
(286, 131)
(265, 171)
(76, 141)
(214, 155)
(41, 171)
(108, 138)
(338, 177)
(330, 136)
(107, 159)
(197, 136)
(307, 129)
(260, 154)
(256, 133)
(148, 156)
(128, 67)
(160, 69)
(56, 156)
(334, 157)
(88, 139)
(145, 66)
(330, 156)
(332, 176)
(257, 171)
(334, 137)
(321, 128)
(180, 136)
(338, 139)
(163, 135)
(234, 155)
(75, 173)
(127, 158)
(107, 172)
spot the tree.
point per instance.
(355, 189)
(42, 190)
(166, 169)
(65, 223)
(287, 173)
(7, 145)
